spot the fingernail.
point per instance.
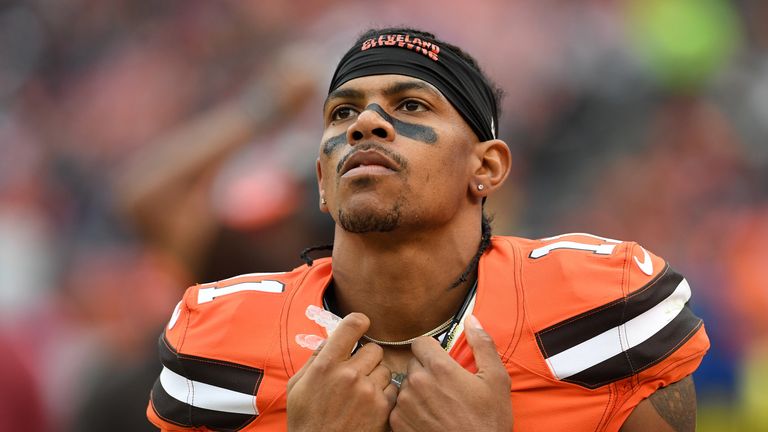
(475, 322)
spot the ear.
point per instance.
(321, 191)
(494, 163)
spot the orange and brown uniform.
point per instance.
(587, 328)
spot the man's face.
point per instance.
(395, 153)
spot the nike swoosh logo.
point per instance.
(646, 266)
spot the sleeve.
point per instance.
(623, 314)
(668, 341)
(162, 410)
(622, 323)
(203, 385)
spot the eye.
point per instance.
(412, 105)
(342, 113)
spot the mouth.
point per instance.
(368, 162)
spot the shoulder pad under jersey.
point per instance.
(215, 350)
(602, 309)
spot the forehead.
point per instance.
(385, 85)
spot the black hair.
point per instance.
(485, 244)
(305, 253)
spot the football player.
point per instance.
(446, 328)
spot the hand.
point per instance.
(338, 392)
(440, 395)
(289, 82)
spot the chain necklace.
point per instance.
(435, 331)
(446, 326)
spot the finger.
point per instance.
(381, 376)
(414, 367)
(367, 358)
(484, 349)
(429, 352)
(340, 343)
(294, 379)
(391, 393)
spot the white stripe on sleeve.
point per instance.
(621, 338)
(206, 396)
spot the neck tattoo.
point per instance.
(449, 325)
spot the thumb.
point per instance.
(489, 365)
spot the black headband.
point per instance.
(464, 87)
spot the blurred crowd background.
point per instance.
(146, 146)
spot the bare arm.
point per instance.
(164, 189)
(669, 409)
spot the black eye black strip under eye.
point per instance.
(417, 132)
(331, 143)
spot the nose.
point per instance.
(370, 124)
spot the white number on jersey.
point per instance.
(208, 294)
(606, 248)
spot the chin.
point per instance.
(368, 220)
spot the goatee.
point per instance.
(367, 222)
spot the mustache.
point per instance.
(399, 160)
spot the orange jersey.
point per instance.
(587, 328)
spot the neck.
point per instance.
(406, 284)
